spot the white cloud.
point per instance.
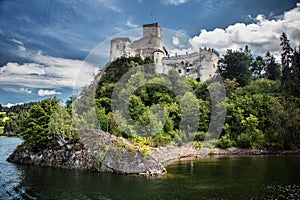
(20, 44)
(130, 24)
(42, 92)
(47, 72)
(261, 36)
(17, 90)
(175, 41)
(21, 48)
(12, 68)
(25, 90)
(175, 2)
(111, 4)
(8, 105)
(17, 42)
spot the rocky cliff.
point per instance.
(97, 151)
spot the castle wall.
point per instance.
(152, 30)
(208, 65)
(146, 46)
(202, 64)
(121, 47)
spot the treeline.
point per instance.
(13, 117)
(263, 105)
(46, 123)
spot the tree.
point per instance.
(46, 121)
(236, 64)
(61, 124)
(35, 132)
(295, 72)
(290, 60)
(258, 67)
(273, 69)
(286, 62)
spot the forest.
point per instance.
(262, 105)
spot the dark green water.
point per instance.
(267, 177)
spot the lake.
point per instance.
(255, 177)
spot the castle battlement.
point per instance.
(199, 65)
(144, 47)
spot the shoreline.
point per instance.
(171, 154)
(118, 159)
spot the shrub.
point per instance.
(244, 140)
(198, 145)
(225, 141)
(200, 136)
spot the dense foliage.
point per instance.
(264, 112)
(46, 123)
(12, 118)
(144, 99)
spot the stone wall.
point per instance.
(199, 65)
(202, 64)
(143, 47)
(121, 47)
(152, 30)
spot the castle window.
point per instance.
(156, 61)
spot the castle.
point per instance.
(200, 65)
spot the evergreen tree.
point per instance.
(286, 62)
(290, 60)
(258, 67)
(273, 70)
(295, 72)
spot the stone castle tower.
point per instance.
(199, 65)
(146, 46)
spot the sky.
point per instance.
(54, 47)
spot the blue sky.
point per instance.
(43, 43)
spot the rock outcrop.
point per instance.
(97, 151)
(81, 158)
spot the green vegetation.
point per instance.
(12, 118)
(46, 123)
(145, 99)
(264, 112)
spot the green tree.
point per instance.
(35, 131)
(236, 64)
(61, 124)
(257, 67)
(286, 62)
(273, 69)
(46, 122)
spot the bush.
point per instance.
(200, 136)
(244, 140)
(225, 141)
(198, 145)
